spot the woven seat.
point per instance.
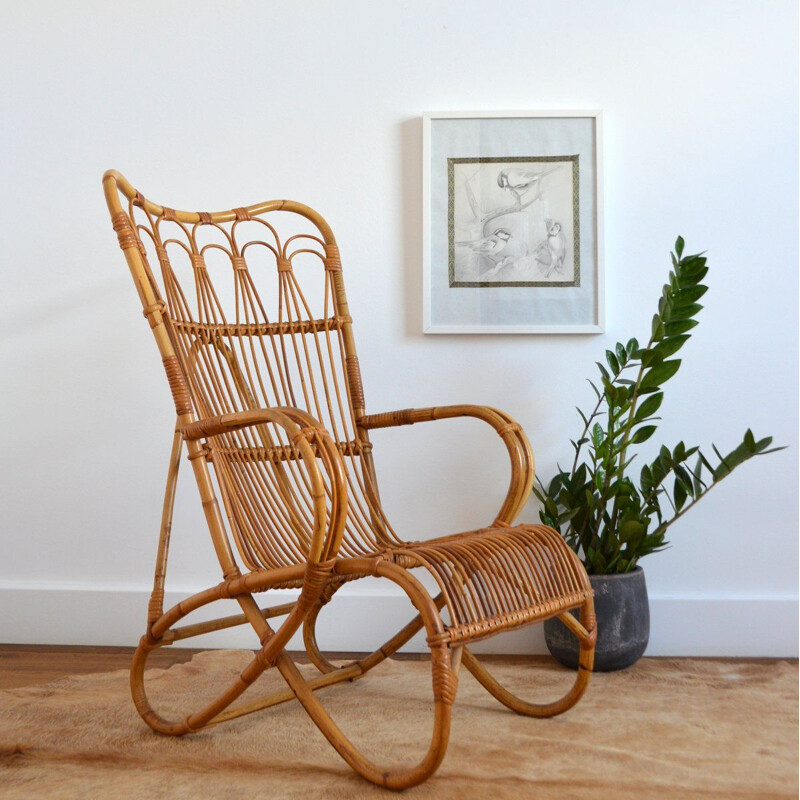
(250, 316)
(499, 578)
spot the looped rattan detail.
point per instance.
(437, 639)
(332, 260)
(161, 255)
(125, 233)
(261, 362)
(354, 376)
(149, 311)
(445, 681)
(203, 451)
(305, 434)
(177, 384)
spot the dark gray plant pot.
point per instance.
(623, 624)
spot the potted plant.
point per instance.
(611, 518)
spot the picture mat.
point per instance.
(504, 137)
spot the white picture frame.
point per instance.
(540, 271)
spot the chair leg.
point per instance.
(386, 650)
(264, 658)
(310, 633)
(396, 778)
(444, 663)
(587, 634)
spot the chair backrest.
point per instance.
(255, 316)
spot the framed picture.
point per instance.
(512, 228)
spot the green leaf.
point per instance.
(652, 357)
(659, 374)
(725, 467)
(631, 529)
(631, 347)
(622, 354)
(679, 246)
(612, 362)
(646, 479)
(750, 440)
(643, 434)
(679, 495)
(666, 347)
(657, 328)
(555, 484)
(567, 516)
(694, 274)
(649, 406)
(697, 481)
(680, 326)
(688, 310)
(691, 294)
(682, 474)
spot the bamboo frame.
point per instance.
(270, 411)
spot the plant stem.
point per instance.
(609, 470)
(629, 426)
(585, 431)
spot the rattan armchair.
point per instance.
(249, 313)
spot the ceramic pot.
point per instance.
(623, 623)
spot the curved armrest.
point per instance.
(302, 429)
(519, 448)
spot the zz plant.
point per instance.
(608, 517)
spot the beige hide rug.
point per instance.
(663, 729)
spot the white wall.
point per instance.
(222, 104)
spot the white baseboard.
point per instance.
(359, 620)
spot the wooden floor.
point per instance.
(26, 664)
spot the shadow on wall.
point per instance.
(410, 179)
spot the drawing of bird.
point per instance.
(491, 245)
(501, 247)
(519, 181)
(553, 250)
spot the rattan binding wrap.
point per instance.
(250, 316)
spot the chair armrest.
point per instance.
(302, 430)
(519, 448)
